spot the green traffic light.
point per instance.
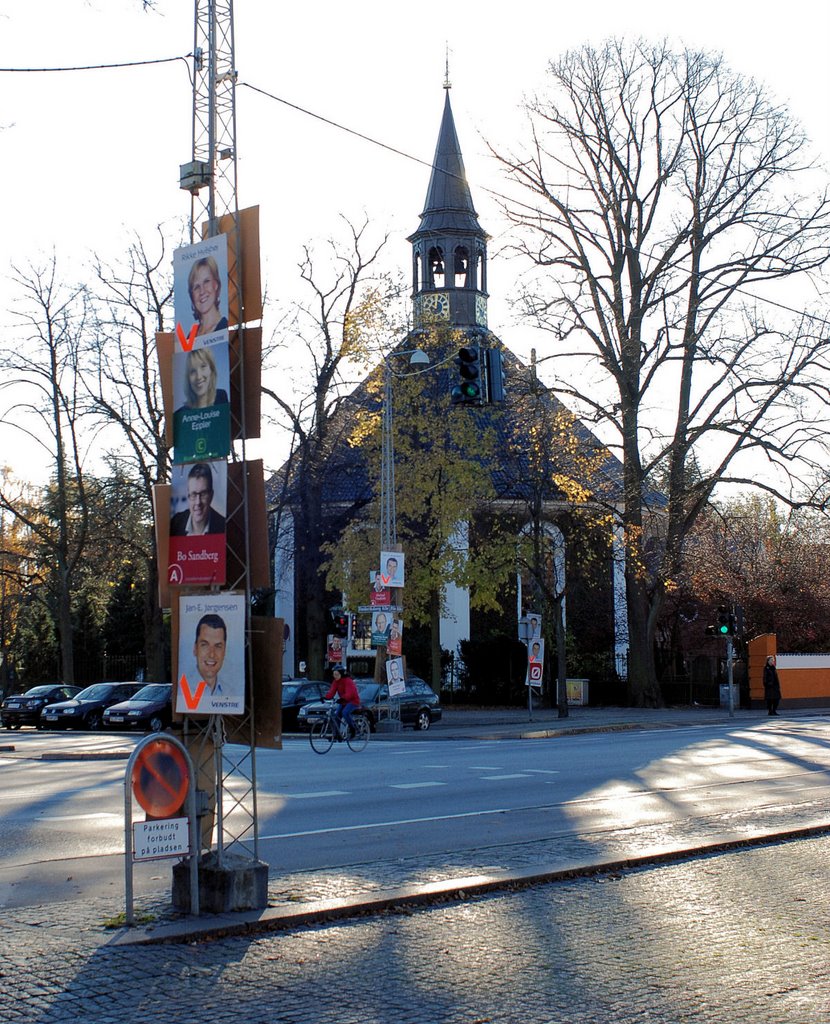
(724, 629)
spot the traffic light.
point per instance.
(495, 375)
(728, 624)
(339, 623)
(467, 390)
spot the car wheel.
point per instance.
(94, 721)
(156, 723)
(423, 721)
(39, 725)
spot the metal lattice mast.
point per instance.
(212, 183)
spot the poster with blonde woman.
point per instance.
(202, 417)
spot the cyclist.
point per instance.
(344, 687)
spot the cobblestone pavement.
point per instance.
(739, 936)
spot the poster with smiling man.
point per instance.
(211, 655)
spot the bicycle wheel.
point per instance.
(361, 733)
(321, 736)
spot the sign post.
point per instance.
(161, 777)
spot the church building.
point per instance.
(536, 485)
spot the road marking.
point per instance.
(315, 796)
(386, 824)
(485, 767)
(498, 778)
(415, 785)
(542, 771)
(80, 817)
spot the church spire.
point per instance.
(450, 246)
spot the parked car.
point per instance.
(295, 693)
(151, 709)
(86, 709)
(25, 708)
(419, 704)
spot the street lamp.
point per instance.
(388, 528)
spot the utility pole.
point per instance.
(211, 179)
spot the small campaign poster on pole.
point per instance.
(394, 644)
(380, 596)
(198, 503)
(535, 662)
(211, 654)
(530, 626)
(394, 676)
(392, 568)
(381, 629)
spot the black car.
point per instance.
(151, 709)
(24, 708)
(295, 693)
(419, 704)
(86, 710)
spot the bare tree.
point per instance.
(668, 193)
(346, 319)
(128, 305)
(46, 406)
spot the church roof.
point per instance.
(448, 208)
(517, 423)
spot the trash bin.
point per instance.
(724, 695)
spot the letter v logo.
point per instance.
(192, 699)
(186, 340)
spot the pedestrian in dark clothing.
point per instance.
(772, 686)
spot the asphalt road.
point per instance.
(62, 822)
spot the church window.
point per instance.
(436, 267)
(462, 267)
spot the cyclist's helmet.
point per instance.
(338, 668)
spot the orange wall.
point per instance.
(808, 685)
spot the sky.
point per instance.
(91, 158)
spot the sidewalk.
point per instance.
(420, 881)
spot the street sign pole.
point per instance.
(729, 672)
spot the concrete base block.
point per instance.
(239, 884)
(388, 725)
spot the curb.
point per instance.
(195, 929)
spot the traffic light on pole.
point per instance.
(724, 628)
(467, 390)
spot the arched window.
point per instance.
(481, 271)
(461, 267)
(437, 275)
(416, 270)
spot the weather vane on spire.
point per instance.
(447, 83)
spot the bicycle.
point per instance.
(323, 732)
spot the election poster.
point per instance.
(211, 655)
(198, 505)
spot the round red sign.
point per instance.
(160, 780)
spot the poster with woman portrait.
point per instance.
(200, 291)
(201, 390)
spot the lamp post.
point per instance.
(388, 527)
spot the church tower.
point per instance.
(449, 249)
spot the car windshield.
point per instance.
(289, 693)
(95, 692)
(153, 691)
(368, 692)
(38, 691)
